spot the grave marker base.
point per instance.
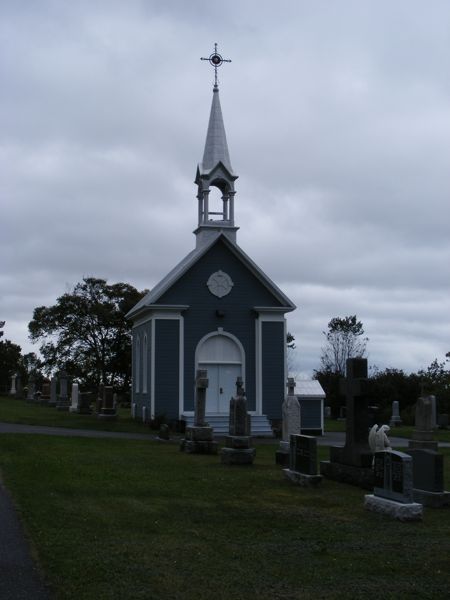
(359, 476)
(282, 458)
(432, 499)
(302, 479)
(396, 510)
(233, 456)
(199, 447)
(107, 414)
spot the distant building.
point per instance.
(215, 310)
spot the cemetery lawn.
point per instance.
(125, 519)
(13, 410)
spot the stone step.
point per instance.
(260, 424)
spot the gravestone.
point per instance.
(198, 439)
(393, 487)
(31, 388)
(53, 391)
(63, 401)
(353, 463)
(327, 412)
(303, 461)
(108, 411)
(238, 450)
(13, 390)
(145, 418)
(133, 410)
(74, 398)
(428, 478)
(342, 413)
(164, 433)
(291, 423)
(433, 411)
(84, 403)
(99, 400)
(443, 421)
(19, 386)
(422, 436)
(45, 392)
(395, 420)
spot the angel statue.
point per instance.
(378, 439)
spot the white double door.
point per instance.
(221, 386)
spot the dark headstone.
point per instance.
(428, 478)
(108, 410)
(238, 450)
(63, 402)
(442, 421)
(303, 461)
(45, 392)
(164, 433)
(199, 438)
(240, 421)
(84, 403)
(393, 487)
(353, 463)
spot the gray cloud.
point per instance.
(338, 123)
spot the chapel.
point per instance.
(215, 310)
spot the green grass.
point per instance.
(19, 411)
(129, 519)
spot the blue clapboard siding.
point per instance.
(311, 413)
(239, 317)
(272, 363)
(167, 367)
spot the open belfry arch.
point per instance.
(216, 309)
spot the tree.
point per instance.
(10, 360)
(344, 340)
(86, 333)
(291, 352)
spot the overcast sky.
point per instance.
(338, 123)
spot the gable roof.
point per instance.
(150, 299)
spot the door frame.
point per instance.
(220, 332)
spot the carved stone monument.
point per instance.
(353, 463)
(84, 403)
(422, 436)
(303, 461)
(199, 438)
(291, 423)
(428, 478)
(45, 392)
(395, 420)
(73, 408)
(53, 391)
(13, 390)
(238, 450)
(31, 388)
(393, 487)
(107, 410)
(63, 401)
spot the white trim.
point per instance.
(145, 364)
(181, 367)
(220, 331)
(258, 367)
(137, 366)
(152, 372)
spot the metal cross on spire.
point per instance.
(215, 60)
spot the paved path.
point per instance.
(19, 578)
(331, 438)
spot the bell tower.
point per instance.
(215, 171)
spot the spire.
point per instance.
(215, 171)
(216, 147)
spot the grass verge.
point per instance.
(128, 519)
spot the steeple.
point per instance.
(215, 171)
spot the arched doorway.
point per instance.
(222, 355)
